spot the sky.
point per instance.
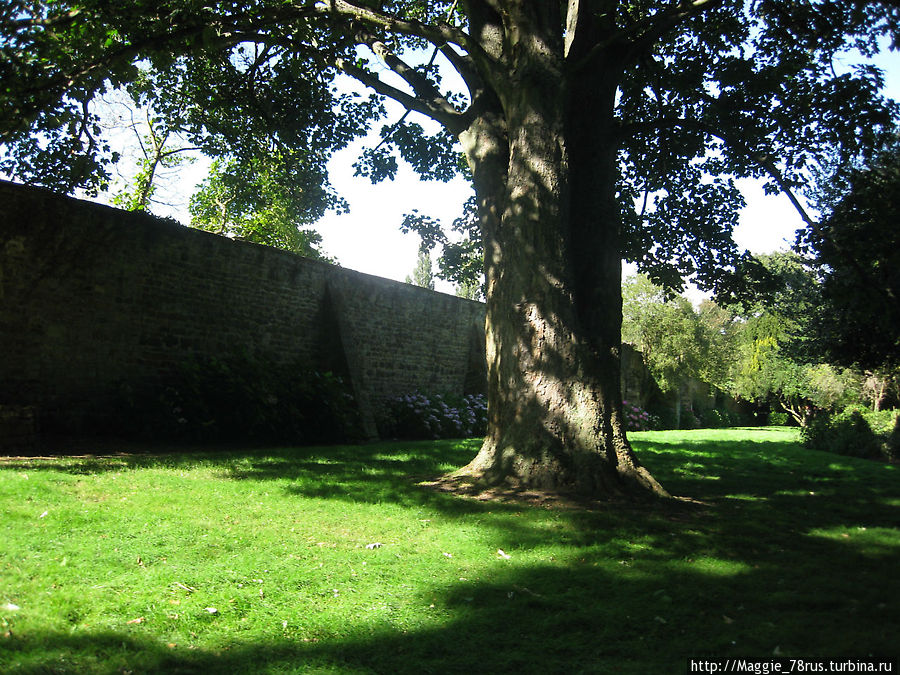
(368, 238)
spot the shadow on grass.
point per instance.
(794, 554)
(797, 487)
(793, 487)
(591, 615)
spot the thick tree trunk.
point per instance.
(553, 269)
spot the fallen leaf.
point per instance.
(727, 619)
(659, 619)
(503, 555)
(171, 645)
(211, 610)
(140, 619)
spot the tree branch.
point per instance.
(408, 101)
(436, 34)
(636, 38)
(763, 161)
(51, 22)
(465, 66)
(420, 84)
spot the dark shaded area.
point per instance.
(119, 324)
(745, 570)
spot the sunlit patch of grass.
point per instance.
(335, 560)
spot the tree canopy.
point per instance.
(592, 130)
(705, 89)
(856, 248)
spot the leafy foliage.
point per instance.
(422, 274)
(462, 253)
(240, 397)
(857, 432)
(857, 248)
(664, 329)
(638, 419)
(421, 416)
(264, 201)
(721, 90)
(778, 352)
(150, 108)
(760, 350)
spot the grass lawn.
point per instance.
(333, 560)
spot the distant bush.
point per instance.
(715, 418)
(779, 419)
(855, 432)
(242, 397)
(638, 419)
(423, 416)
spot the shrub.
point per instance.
(243, 397)
(856, 432)
(715, 419)
(638, 419)
(779, 419)
(422, 416)
(690, 419)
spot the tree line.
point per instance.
(821, 333)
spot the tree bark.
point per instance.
(551, 232)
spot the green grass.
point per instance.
(113, 562)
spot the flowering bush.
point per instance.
(417, 415)
(636, 418)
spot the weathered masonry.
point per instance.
(91, 297)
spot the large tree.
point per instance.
(856, 248)
(591, 129)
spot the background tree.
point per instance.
(470, 290)
(156, 155)
(856, 248)
(678, 342)
(161, 146)
(881, 386)
(666, 330)
(266, 201)
(779, 358)
(720, 332)
(573, 113)
(422, 275)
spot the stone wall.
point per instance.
(91, 297)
